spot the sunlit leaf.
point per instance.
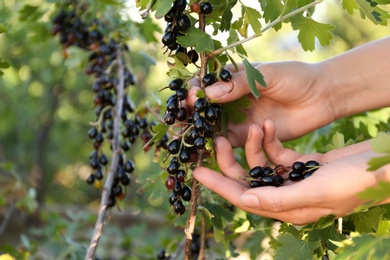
(309, 30)
(253, 75)
(196, 38)
(160, 130)
(294, 248)
(367, 221)
(253, 16)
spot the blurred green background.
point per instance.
(46, 209)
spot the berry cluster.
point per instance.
(268, 176)
(103, 52)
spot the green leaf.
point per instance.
(233, 37)
(110, 2)
(252, 16)
(349, 6)
(309, 30)
(3, 28)
(374, 195)
(381, 144)
(227, 16)
(272, 10)
(29, 12)
(178, 70)
(200, 94)
(377, 162)
(196, 38)
(222, 216)
(148, 29)
(375, 14)
(160, 130)
(338, 142)
(367, 222)
(383, 228)
(161, 7)
(234, 110)
(253, 75)
(366, 246)
(293, 248)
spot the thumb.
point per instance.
(229, 91)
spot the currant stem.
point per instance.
(114, 162)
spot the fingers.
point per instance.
(227, 161)
(274, 149)
(253, 147)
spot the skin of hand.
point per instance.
(301, 97)
(332, 189)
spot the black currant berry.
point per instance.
(311, 165)
(267, 180)
(200, 125)
(206, 8)
(186, 196)
(169, 118)
(254, 184)
(173, 105)
(180, 5)
(172, 198)
(199, 142)
(178, 189)
(299, 167)
(210, 114)
(181, 93)
(168, 38)
(256, 172)
(295, 176)
(99, 174)
(193, 55)
(125, 180)
(183, 23)
(181, 114)
(168, 17)
(174, 146)
(173, 167)
(103, 159)
(200, 105)
(90, 179)
(278, 180)
(225, 75)
(209, 79)
(128, 166)
(179, 207)
(175, 84)
(185, 155)
(268, 171)
(181, 175)
(92, 132)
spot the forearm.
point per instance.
(358, 80)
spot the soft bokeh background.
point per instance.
(46, 208)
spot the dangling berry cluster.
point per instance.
(102, 53)
(268, 176)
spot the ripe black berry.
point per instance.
(173, 105)
(200, 125)
(128, 166)
(181, 93)
(172, 198)
(180, 5)
(311, 165)
(181, 114)
(193, 55)
(99, 174)
(295, 176)
(175, 84)
(168, 38)
(179, 207)
(210, 114)
(169, 118)
(178, 189)
(185, 155)
(90, 179)
(92, 132)
(180, 175)
(299, 167)
(254, 184)
(200, 142)
(209, 79)
(225, 75)
(174, 146)
(256, 172)
(200, 105)
(206, 8)
(267, 180)
(186, 196)
(173, 167)
(183, 23)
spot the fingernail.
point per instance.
(217, 91)
(250, 200)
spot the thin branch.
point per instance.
(280, 19)
(7, 217)
(189, 230)
(202, 237)
(114, 162)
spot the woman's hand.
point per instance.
(294, 99)
(332, 189)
